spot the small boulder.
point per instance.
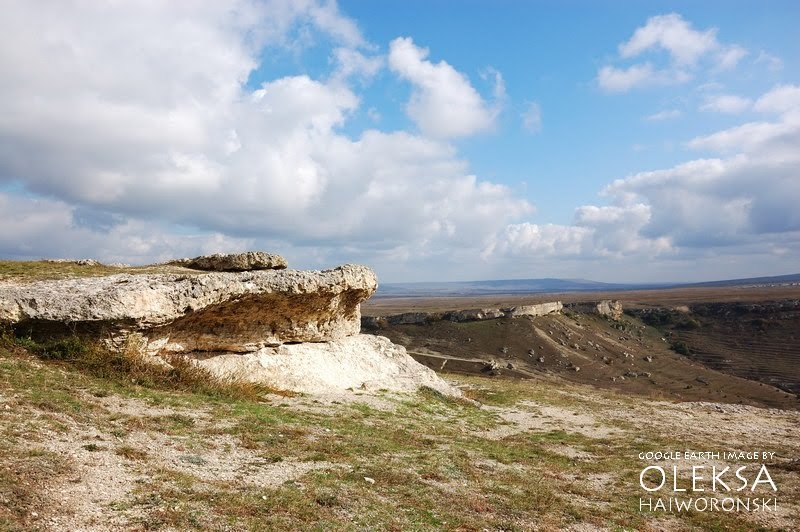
(235, 262)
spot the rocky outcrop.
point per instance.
(361, 362)
(77, 262)
(542, 309)
(234, 262)
(289, 329)
(175, 313)
(419, 318)
(410, 318)
(374, 322)
(610, 308)
(476, 314)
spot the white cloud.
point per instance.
(527, 239)
(443, 103)
(768, 140)
(326, 16)
(686, 48)
(673, 34)
(772, 62)
(137, 119)
(608, 232)
(741, 203)
(532, 117)
(666, 114)
(494, 76)
(729, 56)
(351, 62)
(35, 228)
(623, 79)
(726, 103)
(781, 99)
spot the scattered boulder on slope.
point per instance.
(610, 308)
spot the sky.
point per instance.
(618, 141)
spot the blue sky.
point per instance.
(616, 141)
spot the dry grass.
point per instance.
(130, 366)
(43, 270)
(436, 463)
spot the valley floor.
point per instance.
(84, 453)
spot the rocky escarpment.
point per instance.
(460, 316)
(288, 328)
(610, 308)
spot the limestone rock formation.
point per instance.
(234, 262)
(541, 309)
(476, 314)
(175, 313)
(610, 308)
(411, 318)
(362, 361)
(289, 329)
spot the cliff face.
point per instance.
(461, 316)
(209, 314)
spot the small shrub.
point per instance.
(680, 348)
(71, 348)
(131, 453)
(688, 325)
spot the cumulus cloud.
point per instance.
(138, 124)
(747, 193)
(741, 201)
(526, 239)
(673, 34)
(37, 227)
(596, 232)
(443, 102)
(686, 49)
(781, 99)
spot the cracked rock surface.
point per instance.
(175, 313)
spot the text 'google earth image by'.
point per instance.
(339, 265)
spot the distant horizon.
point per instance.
(465, 281)
(661, 144)
(610, 283)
